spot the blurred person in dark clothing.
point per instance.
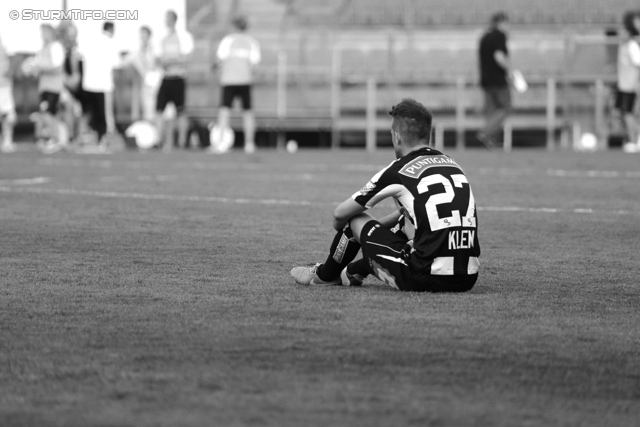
(495, 73)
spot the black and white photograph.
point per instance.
(319, 213)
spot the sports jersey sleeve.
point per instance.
(383, 185)
(254, 56)
(186, 43)
(224, 49)
(634, 53)
(57, 55)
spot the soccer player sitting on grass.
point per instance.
(430, 243)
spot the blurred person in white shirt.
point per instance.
(71, 100)
(7, 106)
(47, 64)
(238, 53)
(144, 61)
(176, 49)
(100, 58)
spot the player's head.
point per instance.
(240, 23)
(145, 34)
(109, 28)
(48, 33)
(498, 20)
(70, 33)
(629, 23)
(410, 125)
(170, 19)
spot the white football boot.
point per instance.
(307, 276)
(348, 279)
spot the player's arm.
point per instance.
(345, 211)
(503, 60)
(501, 55)
(634, 53)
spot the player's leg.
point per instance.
(502, 103)
(248, 119)
(100, 116)
(8, 121)
(50, 123)
(179, 97)
(8, 115)
(342, 251)
(385, 254)
(226, 101)
(148, 97)
(490, 107)
(629, 120)
(162, 100)
(356, 272)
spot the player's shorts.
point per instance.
(49, 102)
(7, 105)
(172, 89)
(625, 101)
(231, 92)
(388, 255)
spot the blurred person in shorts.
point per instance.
(100, 58)
(628, 79)
(495, 71)
(175, 51)
(238, 53)
(144, 61)
(72, 101)
(7, 106)
(47, 64)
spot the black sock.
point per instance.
(344, 249)
(360, 267)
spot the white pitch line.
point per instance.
(26, 181)
(323, 167)
(171, 197)
(278, 202)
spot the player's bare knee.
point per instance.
(357, 223)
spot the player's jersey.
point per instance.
(238, 53)
(433, 193)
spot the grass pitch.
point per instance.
(154, 290)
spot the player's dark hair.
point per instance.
(146, 29)
(413, 121)
(628, 24)
(240, 22)
(173, 15)
(498, 17)
(108, 26)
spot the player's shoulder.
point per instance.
(416, 163)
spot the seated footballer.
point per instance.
(430, 244)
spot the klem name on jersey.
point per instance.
(461, 239)
(423, 163)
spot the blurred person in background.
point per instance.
(495, 72)
(100, 58)
(238, 53)
(148, 74)
(176, 48)
(72, 99)
(7, 106)
(628, 79)
(47, 65)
